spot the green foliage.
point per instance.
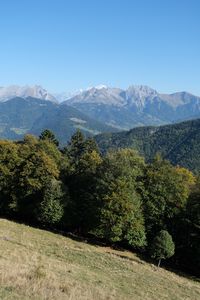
(193, 233)
(9, 162)
(117, 197)
(49, 136)
(124, 162)
(162, 246)
(84, 159)
(51, 208)
(52, 151)
(25, 170)
(30, 140)
(187, 233)
(121, 217)
(165, 194)
(75, 148)
(179, 143)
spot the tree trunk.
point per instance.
(159, 263)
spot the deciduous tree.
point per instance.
(162, 246)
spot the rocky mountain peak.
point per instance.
(9, 92)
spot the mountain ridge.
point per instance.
(95, 110)
(36, 91)
(179, 143)
(138, 105)
(19, 116)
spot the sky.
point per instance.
(65, 45)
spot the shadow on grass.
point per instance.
(169, 267)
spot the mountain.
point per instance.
(7, 93)
(32, 115)
(95, 110)
(63, 96)
(179, 143)
(135, 106)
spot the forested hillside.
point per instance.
(152, 207)
(179, 143)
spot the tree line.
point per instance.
(117, 197)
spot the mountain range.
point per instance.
(9, 92)
(94, 110)
(136, 106)
(19, 116)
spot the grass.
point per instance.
(36, 264)
(81, 127)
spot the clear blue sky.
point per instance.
(65, 45)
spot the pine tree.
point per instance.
(50, 136)
(76, 146)
(84, 158)
(51, 209)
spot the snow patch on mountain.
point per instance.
(98, 87)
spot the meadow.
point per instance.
(37, 264)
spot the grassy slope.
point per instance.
(36, 264)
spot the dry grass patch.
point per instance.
(36, 264)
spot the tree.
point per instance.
(50, 136)
(33, 173)
(187, 233)
(84, 159)
(121, 217)
(165, 194)
(52, 150)
(25, 171)
(76, 146)
(162, 246)
(51, 210)
(9, 163)
(30, 140)
(120, 213)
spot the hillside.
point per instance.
(19, 116)
(36, 264)
(180, 143)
